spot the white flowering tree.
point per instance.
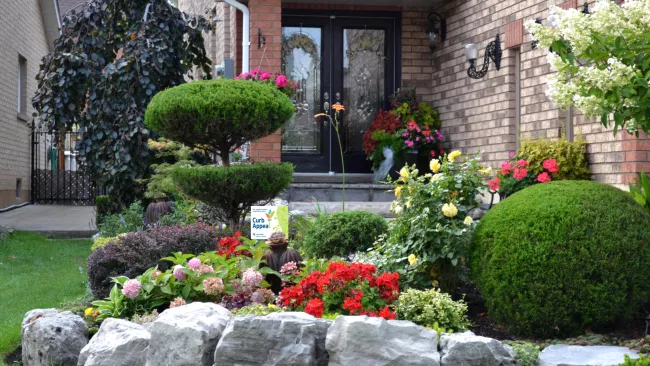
(601, 60)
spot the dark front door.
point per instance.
(338, 57)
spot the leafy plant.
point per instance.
(571, 157)
(431, 233)
(233, 190)
(527, 353)
(134, 253)
(641, 361)
(347, 289)
(641, 191)
(258, 310)
(384, 121)
(432, 307)
(218, 115)
(343, 233)
(129, 220)
(111, 58)
(103, 241)
(583, 244)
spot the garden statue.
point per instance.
(277, 256)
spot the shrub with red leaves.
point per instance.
(347, 289)
(384, 121)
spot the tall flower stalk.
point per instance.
(338, 107)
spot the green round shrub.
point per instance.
(219, 115)
(561, 257)
(432, 309)
(233, 190)
(343, 233)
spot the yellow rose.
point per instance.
(408, 203)
(89, 311)
(449, 210)
(398, 191)
(436, 177)
(486, 171)
(404, 172)
(453, 155)
(413, 260)
(434, 165)
(468, 220)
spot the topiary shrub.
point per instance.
(343, 233)
(218, 115)
(240, 186)
(432, 309)
(133, 253)
(561, 257)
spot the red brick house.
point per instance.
(358, 53)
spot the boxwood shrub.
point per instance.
(133, 253)
(343, 233)
(561, 257)
(232, 190)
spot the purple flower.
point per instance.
(439, 136)
(409, 143)
(252, 278)
(289, 268)
(512, 154)
(262, 296)
(194, 264)
(405, 134)
(131, 289)
(178, 272)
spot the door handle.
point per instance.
(326, 107)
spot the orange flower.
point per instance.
(132, 36)
(338, 107)
(320, 115)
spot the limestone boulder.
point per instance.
(187, 335)
(117, 343)
(566, 355)
(282, 339)
(52, 338)
(468, 349)
(362, 340)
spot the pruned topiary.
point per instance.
(561, 257)
(219, 115)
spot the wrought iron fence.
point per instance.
(56, 176)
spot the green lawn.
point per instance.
(36, 272)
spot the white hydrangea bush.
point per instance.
(601, 61)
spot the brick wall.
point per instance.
(23, 34)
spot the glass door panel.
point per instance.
(363, 82)
(301, 63)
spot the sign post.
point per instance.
(265, 220)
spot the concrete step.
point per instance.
(314, 208)
(333, 192)
(331, 178)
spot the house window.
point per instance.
(22, 85)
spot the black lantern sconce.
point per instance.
(492, 51)
(553, 20)
(437, 30)
(585, 9)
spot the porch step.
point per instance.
(316, 208)
(333, 192)
(351, 178)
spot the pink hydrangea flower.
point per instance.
(263, 296)
(194, 264)
(265, 76)
(289, 268)
(178, 272)
(252, 278)
(131, 288)
(177, 302)
(551, 165)
(205, 269)
(213, 286)
(281, 81)
(543, 177)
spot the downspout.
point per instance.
(58, 15)
(246, 44)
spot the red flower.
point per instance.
(227, 246)
(520, 173)
(315, 307)
(433, 154)
(551, 165)
(505, 168)
(521, 163)
(292, 296)
(494, 184)
(543, 177)
(412, 126)
(387, 314)
(353, 304)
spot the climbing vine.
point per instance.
(111, 58)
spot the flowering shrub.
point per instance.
(232, 281)
(279, 80)
(597, 62)
(432, 309)
(433, 226)
(347, 289)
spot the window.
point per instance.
(22, 85)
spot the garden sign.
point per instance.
(266, 220)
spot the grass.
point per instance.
(37, 272)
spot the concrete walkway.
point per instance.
(53, 221)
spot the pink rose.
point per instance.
(281, 81)
(255, 71)
(265, 76)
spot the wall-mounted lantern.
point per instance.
(437, 30)
(492, 51)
